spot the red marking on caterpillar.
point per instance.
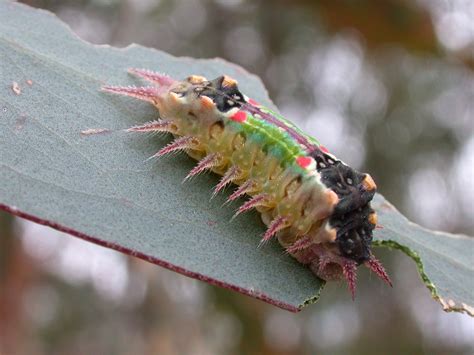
(304, 162)
(239, 116)
(323, 149)
(314, 204)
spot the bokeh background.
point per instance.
(388, 86)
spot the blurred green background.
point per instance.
(388, 86)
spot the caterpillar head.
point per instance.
(353, 221)
(222, 91)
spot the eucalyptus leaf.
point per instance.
(101, 188)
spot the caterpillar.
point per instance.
(313, 203)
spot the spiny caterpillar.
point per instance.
(317, 206)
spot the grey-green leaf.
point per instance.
(100, 188)
(445, 261)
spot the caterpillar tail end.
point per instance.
(330, 266)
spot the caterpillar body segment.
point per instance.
(314, 204)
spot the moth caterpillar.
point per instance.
(313, 203)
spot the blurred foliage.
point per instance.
(396, 22)
(373, 81)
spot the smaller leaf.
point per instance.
(445, 261)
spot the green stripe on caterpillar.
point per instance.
(314, 204)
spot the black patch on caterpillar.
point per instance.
(225, 97)
(354, 233)
(351, 214)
